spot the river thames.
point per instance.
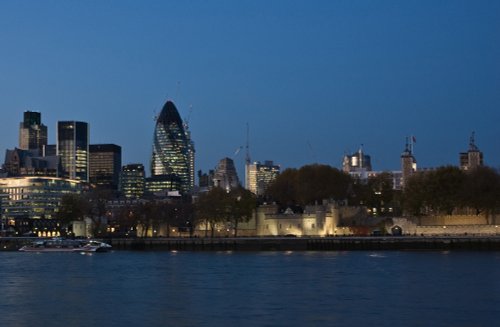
(352, 288)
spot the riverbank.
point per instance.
(483, 243)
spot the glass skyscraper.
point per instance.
(73, 148)
(173, 150)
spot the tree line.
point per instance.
(446, 190)
(312, 184)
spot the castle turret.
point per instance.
(408, 162)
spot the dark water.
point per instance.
(250, 289)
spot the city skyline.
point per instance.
(313, 81)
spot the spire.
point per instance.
(407, 151)
(472, 143)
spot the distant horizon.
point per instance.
(314, 80)
(412, 141)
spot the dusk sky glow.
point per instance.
(313, 79)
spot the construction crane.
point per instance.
(186, 120)
(237, 151)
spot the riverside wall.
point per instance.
(484, 243)
(491, 243)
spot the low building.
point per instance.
(315, 220)
(20, 162)
(161, 185)
(30, 204)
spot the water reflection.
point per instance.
(249, 289)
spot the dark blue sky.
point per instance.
(314, 79)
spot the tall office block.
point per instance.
(104, 165)
(32, 133)
(73, 148)
(132, 181)
(173, 151)
(259, 176)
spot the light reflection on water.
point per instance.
(249, 289)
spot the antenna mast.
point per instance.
(247, 158)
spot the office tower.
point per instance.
(408, 163)
(260, 176)
(473, 158)
(225, 175)
(73, 148)
(132, 181)
(32, 133)
(104, 165)
(173, 151)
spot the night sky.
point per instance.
(313, 79)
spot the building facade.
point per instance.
(73, 148)
(358, 161)
(162, 185)
(105, 165)
(32, 133)
(29, 163)
(30, 204)
(225, 175)
(173, 150)
(132, 181)
(259, 176)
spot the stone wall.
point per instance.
(453, 220)
(446, 225)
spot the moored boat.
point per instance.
(66, 245)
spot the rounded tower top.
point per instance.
(169, 115)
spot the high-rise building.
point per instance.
(260, 176)
(225, 175)
(132, 181)
(32, 133)
(73, 148)
(473, 158)
(173, 150)
(104, 165)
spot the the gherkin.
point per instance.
(173, 151)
